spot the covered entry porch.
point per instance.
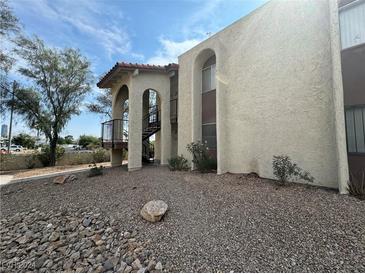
(141, 124)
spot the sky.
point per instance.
(138, 31)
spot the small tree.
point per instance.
(69, 139)
(102, 104)
(88, 140)
(60, 78)
(284, 170)
(24, 140)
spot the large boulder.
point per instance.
(154, 210)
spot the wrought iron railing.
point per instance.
(152, 118)
(114, 132)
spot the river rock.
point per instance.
(154, 210)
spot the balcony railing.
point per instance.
(114, 133)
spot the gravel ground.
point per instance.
(215, 222)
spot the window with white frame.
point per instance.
(355, 129)
(208, 78)
(352, 24)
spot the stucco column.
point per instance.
(338, 100)
(165, 131)
(116, 155)
(157, 147)
(135, 130)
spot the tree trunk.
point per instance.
(52, 151)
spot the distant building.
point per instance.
(4, 131)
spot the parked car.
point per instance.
(16, 148)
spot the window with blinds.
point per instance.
(352, 24)
(355, 129)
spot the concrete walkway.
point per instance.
(5, 179)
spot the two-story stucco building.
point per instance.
(269, 84)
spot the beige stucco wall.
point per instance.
(274, 91)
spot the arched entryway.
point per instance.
(151, 125)
(119, 126)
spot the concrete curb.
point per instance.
(45, 176)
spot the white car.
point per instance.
(12, 148)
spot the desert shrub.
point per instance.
(356, 186)
(44, 155)
(285, 170)
(77, 159)
(95, 170)
(178, 163)
(99, 156)
(201, 158)
(31, 160)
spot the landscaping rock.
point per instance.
(108, 265)
(128, 269)
(60, 179)
(159, 266)
(137, 264)
(54, 237)
(67, 240)
(65, 179)
(86, 222)
(154, 210)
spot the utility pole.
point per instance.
(11, 114)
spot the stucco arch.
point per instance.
(196, 94)
(119, 97)
(159, 82)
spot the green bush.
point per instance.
(31, 160)
(178, 163)
(88, 141)
(99, 156)
(201, 158)
(356, 186)
(285, 170)
(95, 170)
(44, 156)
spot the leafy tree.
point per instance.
(69, 139)
(61, 78)
(24, 140)
(61, 141)
(102, 104)
(9, 26)
(88, 140)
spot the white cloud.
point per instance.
(88, 17)
(170, 50)
(196, 28)
(203, 21)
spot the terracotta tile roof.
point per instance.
(123, 66)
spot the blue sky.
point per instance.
(107, 31)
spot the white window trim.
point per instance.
(211, 78)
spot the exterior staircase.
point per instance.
(114, 133)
